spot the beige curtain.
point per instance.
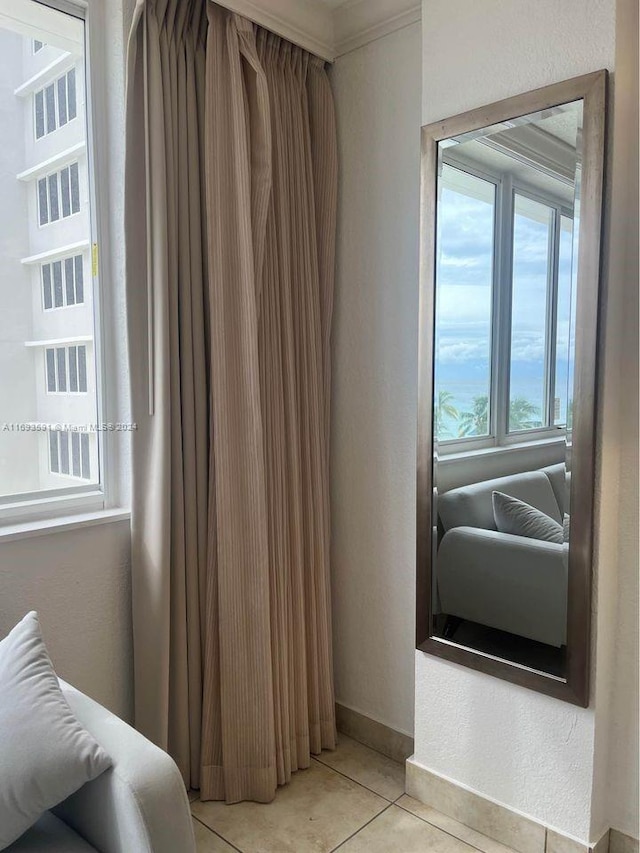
(230, 217)
(167, 308)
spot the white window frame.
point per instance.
(499, 436)
(35, 49)
(37, 510)
(56, 104)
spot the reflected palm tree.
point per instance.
(475, 421)
(523, 414)
(444, 408)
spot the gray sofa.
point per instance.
(511, 583)
(139, 805)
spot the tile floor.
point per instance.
(351, 800)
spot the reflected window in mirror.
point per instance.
(507, 333)
(504, 278)
(504, 274)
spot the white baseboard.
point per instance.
(497, 821)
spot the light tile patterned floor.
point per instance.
(351, 800)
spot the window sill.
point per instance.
(43, 527)
(516, 447)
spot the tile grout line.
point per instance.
(389, 803)
(206, 826)
(366, 746)
(351, 779)
(360, 828)
(373, 749)
(446, 831)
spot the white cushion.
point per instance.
(45, 754)
(518, 518)
(140, 804)
(508, 582)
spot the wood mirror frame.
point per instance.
(591, 90)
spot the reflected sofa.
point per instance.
(511, 583)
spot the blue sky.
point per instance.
(464, 289)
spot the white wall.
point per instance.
(531, 752)
(476, 53)
(79, 582)
(377, 91)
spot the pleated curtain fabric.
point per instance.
(167, 307)
(231, 181)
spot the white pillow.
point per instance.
(521, 519)
(45, 754)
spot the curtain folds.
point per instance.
(231, 187)
(169, 386)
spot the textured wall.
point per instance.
(377, 90)
(475, 53)
(79, 583)
(520, 748)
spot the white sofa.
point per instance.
(511, 583)
(139, 805)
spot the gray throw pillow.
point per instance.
(521, 519)
(45, 754)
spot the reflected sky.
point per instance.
(465, 251)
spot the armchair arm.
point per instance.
(512, 583)
(140, 803)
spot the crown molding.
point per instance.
(358, 22)
(328, 29)
(305, 23)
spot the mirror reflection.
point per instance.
(506, 271)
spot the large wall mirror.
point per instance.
(510, 257)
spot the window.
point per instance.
(59, 195)
(62, 283)
(465, 296)
(533, 225)
(69, 453)
(566, 310)
(55, 105)
(50, 374)
(66, 370)
(503, 335)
